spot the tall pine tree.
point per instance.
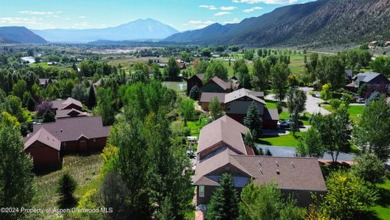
(91, 102)
(224, 203)
(253, 120)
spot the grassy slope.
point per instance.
(84, 169)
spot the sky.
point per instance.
(82, 14)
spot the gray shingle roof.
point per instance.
(271, 114)
(366, 77)
(61, 104)
(224, 85)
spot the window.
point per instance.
(201, 191)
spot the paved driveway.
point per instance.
(312, 103)
(291, 152)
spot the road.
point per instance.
(291, 152)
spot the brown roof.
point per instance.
(271, 114)
(289, 173)
(218, 161)
(224, 85)
(45, 138)
(70, 129)
(199, 76)
(62, 104)
(225, 130)
(242, 93)
(208, 96)
(294, 173)
(70, 113)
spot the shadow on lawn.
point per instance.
(263, 142)
(384, 197)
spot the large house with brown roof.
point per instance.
(68, 108)
(44, 148)
(221, 150)
(75, 135)
(236, 105)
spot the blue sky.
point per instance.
(180, 14)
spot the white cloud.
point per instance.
(210, 7)
(199, 24)
(29, 12)
(227, 8)
(18, 20)
(82, 17)
(273, 2)
(249, 10)
(222, 13)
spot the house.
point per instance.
(206, 98)
(223, 133)
(373, 44)
(298, 177)
(217, 85)
(372, 79)
(238, 102)
(195, 80)
(221, 149)
(68, 108)
(77, 135)
(44, 148)
(386, 44)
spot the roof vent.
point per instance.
(278, 172)
(261, 171)
(260, 164)
(292, 164)
(276, 162)
(61, 130)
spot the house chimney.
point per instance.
(278, 172)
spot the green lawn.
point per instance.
(285, 140)
(196, 126)
(355, 111)
(382, 208)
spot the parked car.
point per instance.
(360, 100)
(286, 124)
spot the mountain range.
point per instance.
(318, 23)
(141, 29)
(19, 35)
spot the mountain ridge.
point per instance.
(323, 22)
(135, 30)
(17, 34)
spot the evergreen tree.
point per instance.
(194, 93)
(224, 201)
(296, 100)
(253, 120)
(49, 116)
(31, 103)
(91, 102)
(16, 177)
(66, 187)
